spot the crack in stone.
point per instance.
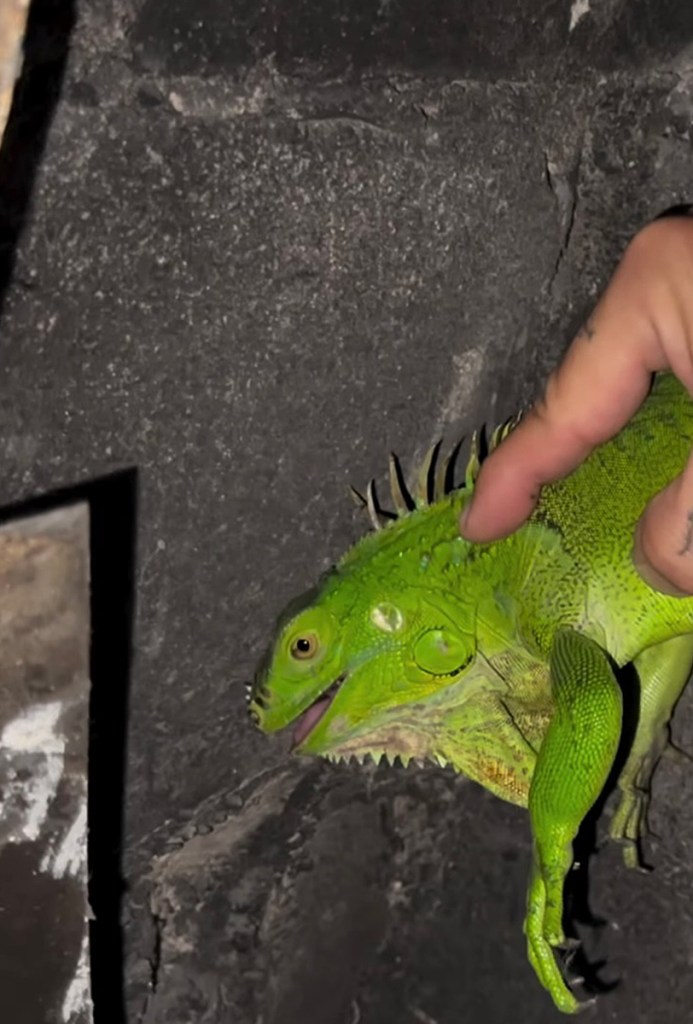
(562, 180)
(159, 923)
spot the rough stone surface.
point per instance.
(263, 247)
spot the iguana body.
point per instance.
(498, 659)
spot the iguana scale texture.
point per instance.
(500, 659)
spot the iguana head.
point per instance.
(360, 668)
(371, 662)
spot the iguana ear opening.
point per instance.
(442, 652)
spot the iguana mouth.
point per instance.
(312, 715)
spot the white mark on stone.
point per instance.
(77, 1001)
(32, 760)
(577, 12)
(33, 732)
(154, 156)
(28, 795)
(467, 369)
(70, 858)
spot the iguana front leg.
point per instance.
(572, 766)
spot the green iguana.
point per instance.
(499, 659)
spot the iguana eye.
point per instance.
(304, 647)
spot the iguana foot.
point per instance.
(544, 933)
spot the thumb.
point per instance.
(663, 548)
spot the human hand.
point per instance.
(642, 323)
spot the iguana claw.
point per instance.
(569, 945)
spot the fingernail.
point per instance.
(648, 573)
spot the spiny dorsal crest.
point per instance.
(433, 479)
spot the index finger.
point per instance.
(604, 378)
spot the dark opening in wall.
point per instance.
(112, 507)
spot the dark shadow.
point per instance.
(680, 210)
(112, 505)
(46, 46)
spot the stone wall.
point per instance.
(264, 244)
